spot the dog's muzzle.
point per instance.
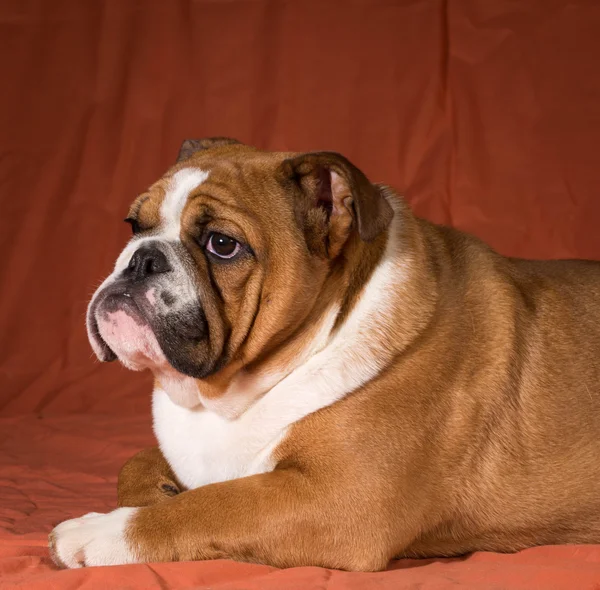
(145, 308)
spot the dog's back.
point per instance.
(512, 356)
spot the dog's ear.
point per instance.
(191, 146)
(335, 196)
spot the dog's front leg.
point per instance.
(283, 518)
(146, 479)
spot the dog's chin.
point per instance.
(120, 326)
(119, 330)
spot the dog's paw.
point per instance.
(93, 539)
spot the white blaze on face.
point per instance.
(180, 186)
(178, 190)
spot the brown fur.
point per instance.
(482, 432)
(147, 466)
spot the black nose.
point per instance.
(146, 261)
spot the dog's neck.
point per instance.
(384, 269)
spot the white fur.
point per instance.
(245, 389)
(203, 446)
(183, 390)
(95, 539)
(183, 182)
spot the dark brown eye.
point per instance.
(222, 246)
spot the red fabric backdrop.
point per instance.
(484, 113)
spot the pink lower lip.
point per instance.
(118, 324)
(128, 336)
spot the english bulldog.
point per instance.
(338, 382)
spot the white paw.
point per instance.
(93, 539)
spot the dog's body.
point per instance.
(357, 385)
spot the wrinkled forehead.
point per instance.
(248, 183)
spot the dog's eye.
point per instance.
(135, 226)
(222, 246)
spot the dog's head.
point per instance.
(233, 250)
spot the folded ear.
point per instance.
(191, 146)
(336, 196)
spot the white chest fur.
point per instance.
(203, 447)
